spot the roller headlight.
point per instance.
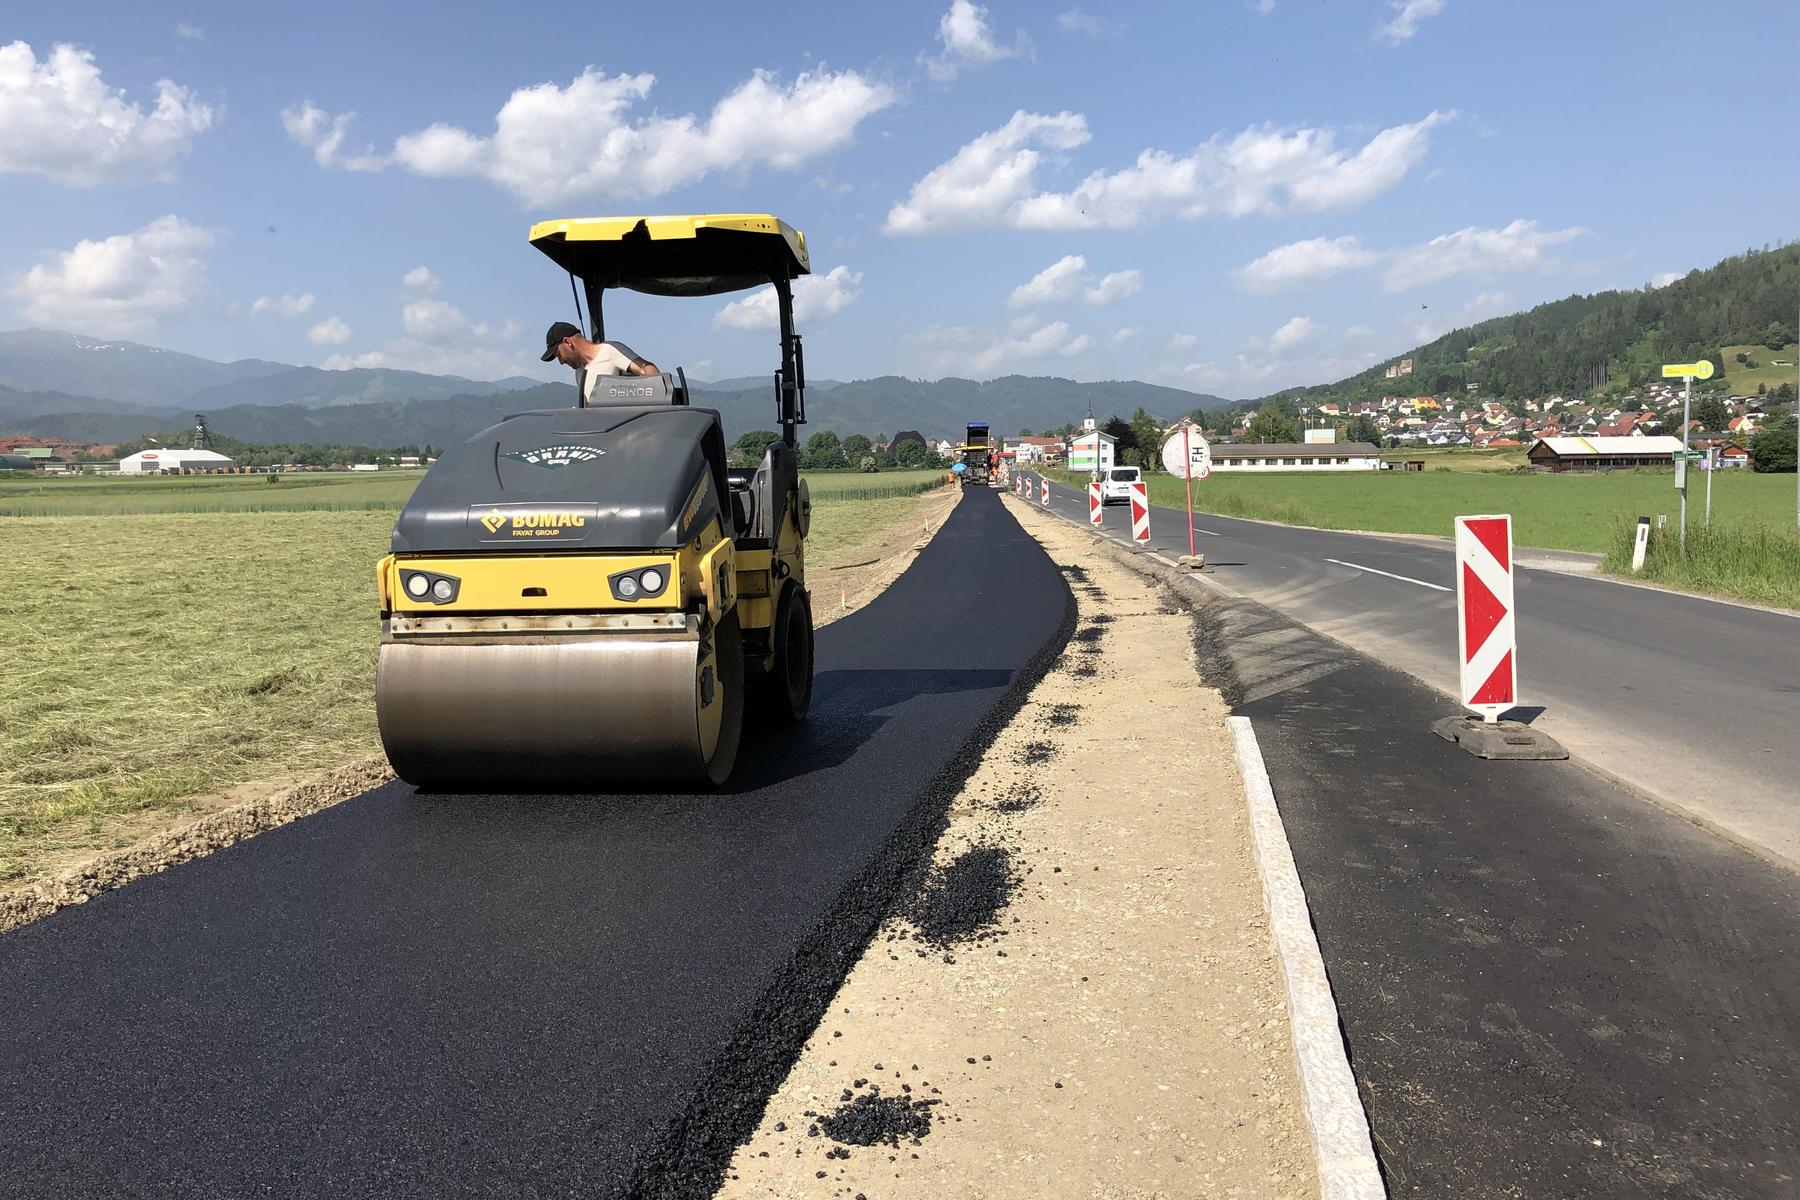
(429, 585)
(639, 583)
(652, 582)
(628, 588)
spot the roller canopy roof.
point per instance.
(676, 255)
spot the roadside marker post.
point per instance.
(1044, 492)
(1712, 468)
(1641, 544)
(1096, 511)
(1687, 373)
(1486, 638)
(1191, 460)
(1140, 513)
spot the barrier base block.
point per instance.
(1193, 561)
(1512, 740)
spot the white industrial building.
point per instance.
(1082, 451)
(149, 462)
(1338, 458)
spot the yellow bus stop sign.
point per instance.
(1699, 370)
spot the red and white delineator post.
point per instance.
(1044, 492)
(1486, 636)
(1140, 513)
(1096, 510)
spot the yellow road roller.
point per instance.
(589, 597)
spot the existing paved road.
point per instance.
(442, 995)
(1694, 701)
(1548, 987)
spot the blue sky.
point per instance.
(1231, 196)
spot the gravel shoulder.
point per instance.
(1081, 998)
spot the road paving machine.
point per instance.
(976, 454)
(588, 596)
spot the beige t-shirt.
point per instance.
(614, 358)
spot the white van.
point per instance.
(1116, 487)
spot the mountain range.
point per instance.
(85, 389)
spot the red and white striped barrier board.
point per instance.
(1140, 513)
(1486, 640)
(1096, 511)
(1044, 492)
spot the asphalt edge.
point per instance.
(1342, 1147)
(206, 835)
(690, 1158)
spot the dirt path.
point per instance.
(839, 591)
(1082, 999)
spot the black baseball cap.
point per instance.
(555, 334)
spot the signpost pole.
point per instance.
(1712, 467)
(1687, 396)
(1187, 454)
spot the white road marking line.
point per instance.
(1207, 532)
(1340, 1130)
(1436, 587)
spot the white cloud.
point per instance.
(1301, 264)
(124, 282)
(420, 280)
(1407, 15)
(963, 350)
(1519, 247)
(189, 33)
(310, 126)
(968, 41)
(554, 145)
(329, 332)
(1182, 342)
(432, 320)
(1121, 336)
(1114, 287)
(1664, 278)
(1293, 333)
(285, 305)
(1075, 21)
(1265, 7)
(991, 181)
(60, 120)
(988, 178)
(816, 298)
(1061, 280)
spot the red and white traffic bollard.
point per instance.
(1486, 640)
(1140, 514)
(1095, 510)
(1044, 492)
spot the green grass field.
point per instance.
(1461, 458)
(1555, 512)
(157, 654)
(1743, 380)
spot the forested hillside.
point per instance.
(1612, 340)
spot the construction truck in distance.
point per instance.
(976, 455)
(588, 597)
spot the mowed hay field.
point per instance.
(158, 655)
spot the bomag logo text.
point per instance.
(548, 521)
(492, 522)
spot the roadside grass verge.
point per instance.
(1553, 512)
(1757, 563)
(112, 495)
(155, 657)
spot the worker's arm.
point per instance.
(643, 366)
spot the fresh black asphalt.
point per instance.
(480, 995)
(1548, 986)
